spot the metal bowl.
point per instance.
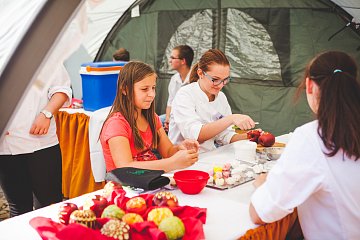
(273, 153)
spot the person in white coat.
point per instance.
(319, 170)
(30, 156)
(200, 111)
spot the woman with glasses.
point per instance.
(201, 111)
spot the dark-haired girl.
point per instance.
(319, 171)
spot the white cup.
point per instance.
(245, 151)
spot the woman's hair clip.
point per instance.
(337, 70)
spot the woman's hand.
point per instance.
(184, 158)
(244, 122)
(260, 180)
(40, 125)
(189, 144)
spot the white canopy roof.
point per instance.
(88, 29)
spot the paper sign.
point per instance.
(135, 11)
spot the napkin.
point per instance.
(138, 177)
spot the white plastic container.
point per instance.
(245, 151)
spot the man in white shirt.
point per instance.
(181, 59)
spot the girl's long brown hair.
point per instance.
(339, 102)
(131, 73)
(211, 56)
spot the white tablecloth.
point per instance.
(227, 210)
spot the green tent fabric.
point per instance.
(268, 44)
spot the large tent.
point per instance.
(267, 42)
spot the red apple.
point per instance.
(266, 139)
(96, 203)
(166, 199)
(253, 135)
(136, 205)
(65, 211)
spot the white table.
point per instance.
(76, 110)
(227, 210)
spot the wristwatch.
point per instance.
(47, 114)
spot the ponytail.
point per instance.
(194, 77)
(338, 110)
(339, 114)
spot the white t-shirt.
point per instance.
(324, 189)
(191, 109)
(175, 84)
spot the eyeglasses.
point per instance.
(217, 82)
(172, 58)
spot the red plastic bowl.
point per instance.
(191, 181)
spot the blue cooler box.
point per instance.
(99, 83)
